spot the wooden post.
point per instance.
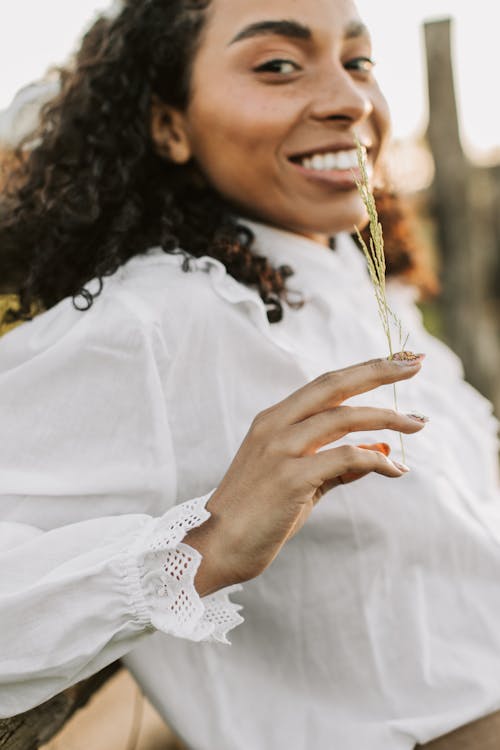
(463, 205)
(495, 279)
(36, 727)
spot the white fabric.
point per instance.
(91, 551)
(22, 116)
(377, 626)
(114, 9)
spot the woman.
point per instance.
(197, 154)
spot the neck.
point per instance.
(321, 239)
(318, 237)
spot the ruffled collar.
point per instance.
(307, 257)
(315, 265)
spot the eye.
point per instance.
(282, 67)
(360, 64)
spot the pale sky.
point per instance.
(36, 34)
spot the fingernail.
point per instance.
(401, 467)
(384, 448)
(407, 359)
(418, 417)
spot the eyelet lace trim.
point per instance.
(168, 569)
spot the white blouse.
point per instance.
(377, 627)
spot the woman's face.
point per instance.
(280, 89)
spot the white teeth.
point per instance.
(318, 162)
(345, 161)
(330, 161)
(335, 160)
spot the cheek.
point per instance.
(382, 116)
(238, 125)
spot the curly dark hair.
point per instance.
(91, 191)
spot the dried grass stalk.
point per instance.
(375, 259)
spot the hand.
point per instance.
(278, 475)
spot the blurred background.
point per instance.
(436, 63)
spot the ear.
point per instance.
(169, 132)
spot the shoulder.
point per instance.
(176, 290)
(151, 297)
(63, 333)
(149, 284)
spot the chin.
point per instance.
(331, 227)
(337, 217)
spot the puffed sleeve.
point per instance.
(91, 550)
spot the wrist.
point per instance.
(214, 571)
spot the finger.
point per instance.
(331, 465)
(332, 388)
(330, 425)
(380, 447)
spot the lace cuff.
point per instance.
(167, 569)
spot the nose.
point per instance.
(340, 97)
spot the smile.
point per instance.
(334, 160)
(337, 168)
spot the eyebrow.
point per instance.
(355, 29)
(292, 30)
